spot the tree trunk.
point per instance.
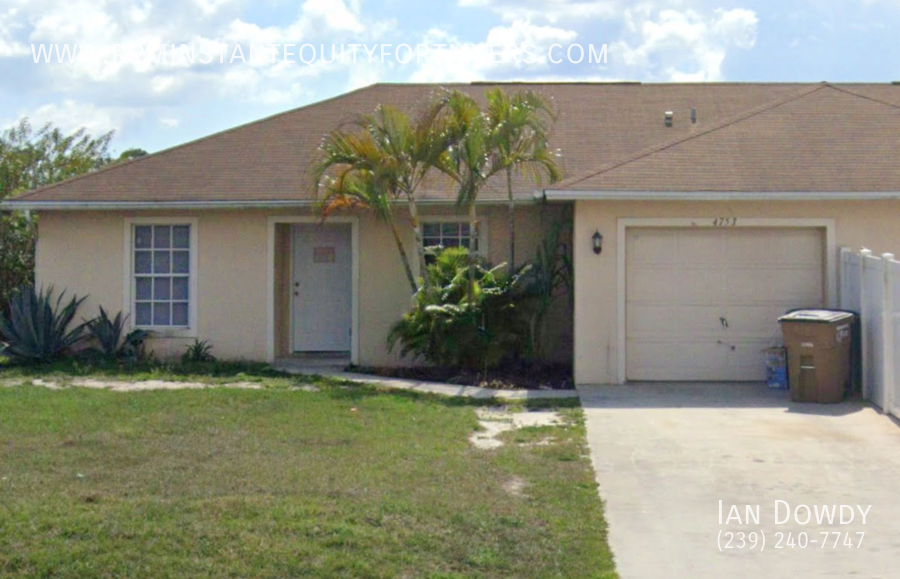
(420, 242)
(511, 216)
(403, 256)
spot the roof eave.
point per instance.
(27, 205)
(589, 195)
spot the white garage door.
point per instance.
(701, 304)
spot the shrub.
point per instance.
(108, 334)
(447, 327)
(199, 351)
(132, 349)
(37, 329)
(548, 279)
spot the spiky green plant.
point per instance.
(548, 279)
(199, 351)
(37, 328)
(107, 332)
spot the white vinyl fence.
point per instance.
(870, 286)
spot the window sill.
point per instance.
(168, 333)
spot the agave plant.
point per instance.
(112, 342)
(37, 328)
(107, 332)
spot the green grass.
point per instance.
(344, 482)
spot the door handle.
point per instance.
(723, 322)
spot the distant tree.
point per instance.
(133, 153)
(30, 159)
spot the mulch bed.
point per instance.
(543, 377)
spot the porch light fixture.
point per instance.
(597, 242)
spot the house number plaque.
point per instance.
(323, 255)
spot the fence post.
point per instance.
(864, 341)
(843, 282)
(887, 339)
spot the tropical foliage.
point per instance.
(520, 128)
(199, 351)
(377, 160)
(448, 326)
(466, 313)
(30, 159)
(37, 329)
(111, 340)
(549, 278)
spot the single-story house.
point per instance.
(719, 205)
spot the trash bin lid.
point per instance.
(816, 316)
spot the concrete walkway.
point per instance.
(422, 386)
(665, 455)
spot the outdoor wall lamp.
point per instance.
(597, 241)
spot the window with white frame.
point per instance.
(447, 234)
(161, 258)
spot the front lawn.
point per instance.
(345, 481)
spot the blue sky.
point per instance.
(155, 105)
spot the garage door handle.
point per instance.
(732, 346)
(724, 323)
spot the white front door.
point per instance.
(321, 287)
(701, 304)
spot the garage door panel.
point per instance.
(784, 286)
(672, 321)
(755, 320)
(747, 361)
(700, 248)
(744, 247)
(676, 285)
(676, 299)
(650, 246)
(678, 361)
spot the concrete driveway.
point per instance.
(666, 454)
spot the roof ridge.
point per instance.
(684, 138)
(112, 166)
(843, 89)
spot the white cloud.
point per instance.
(70, 116)
(552, 11)
(170, 122)
(684, 46)
(500, 56)
(96, 76)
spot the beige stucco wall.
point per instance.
(871, 224)
(83, 252)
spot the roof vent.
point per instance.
(669, 118)
(693, 116)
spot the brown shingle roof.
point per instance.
(785, 135)
(823, 138)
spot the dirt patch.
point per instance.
(515, 486)
(536, 377)
(137, 386)
(493, 421)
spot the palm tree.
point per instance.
(384, 158)
(357, 189)
(470, 159)
(520, 126)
